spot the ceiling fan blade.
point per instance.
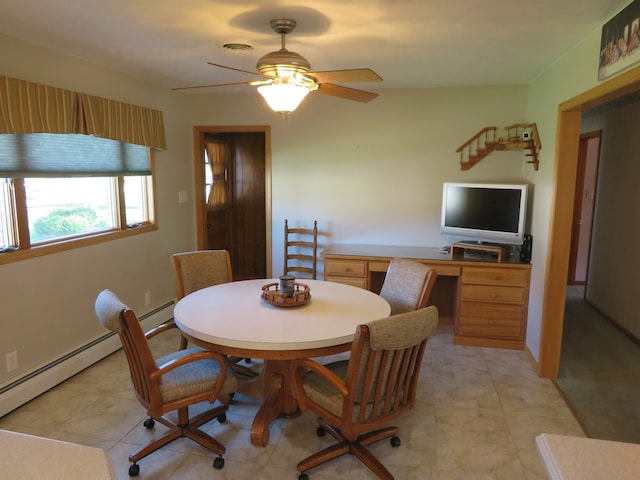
(232, 68)
(211, 85)
(349, 75)
(346, 92)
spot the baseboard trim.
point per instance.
(39, 380)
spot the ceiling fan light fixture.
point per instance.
(285, 94)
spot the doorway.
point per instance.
(233, 196)
(583, 207)
(566, 154)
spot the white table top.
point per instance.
(234, 315)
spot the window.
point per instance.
(67, 190)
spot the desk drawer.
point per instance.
(490, 320)
(493, 294)
(345, 268)
(356, 282)
(494, 276)
(446, 270)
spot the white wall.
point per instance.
(372, 173)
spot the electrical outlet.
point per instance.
(12, 361)
(182, 197)
(147, 299)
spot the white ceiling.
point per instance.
(410, 43)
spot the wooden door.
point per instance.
(583, 207)
(243, 225)
(248, 223)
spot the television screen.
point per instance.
(484, 212)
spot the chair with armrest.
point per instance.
(169, 383)
(357, 399)
(407, 285)
(200, 269)
(301, 250)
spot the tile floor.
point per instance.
(477, 414)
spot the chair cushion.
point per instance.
(193, 378)
(319, 391)
(322, 393)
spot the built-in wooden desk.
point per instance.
(486, 300)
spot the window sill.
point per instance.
(63, 246)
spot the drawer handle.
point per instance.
(494, 295)
(347, 270)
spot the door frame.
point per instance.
(560, 226)
(201, 212)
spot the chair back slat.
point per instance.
(139, 367)
(301, 250)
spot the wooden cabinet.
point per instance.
(492, 307)
(485, 301)
(351, 272)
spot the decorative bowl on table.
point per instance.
(272, 294)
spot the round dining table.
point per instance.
(233, 319)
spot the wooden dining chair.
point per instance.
(200, 269)
(407, 285)
(301, 250)
(169, 383)
(356, 399)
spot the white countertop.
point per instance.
(577, 458)
(27, 457)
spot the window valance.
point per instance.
(27, 107)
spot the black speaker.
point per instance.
(525, 250)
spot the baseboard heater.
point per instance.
(39, 380)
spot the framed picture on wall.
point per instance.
(620, 42)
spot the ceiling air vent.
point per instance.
(237, 47)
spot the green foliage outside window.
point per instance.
(65, 222)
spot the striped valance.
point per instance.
(27, 107)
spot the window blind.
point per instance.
(51, 155)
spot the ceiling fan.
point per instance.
(286, 78)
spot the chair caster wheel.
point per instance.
(321, 432)
(303, 476)
(218, 463)
(222, 418)
(149, 423)
(134, 470)
(395, 441)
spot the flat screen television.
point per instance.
(484, 212)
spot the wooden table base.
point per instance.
(278, 399)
